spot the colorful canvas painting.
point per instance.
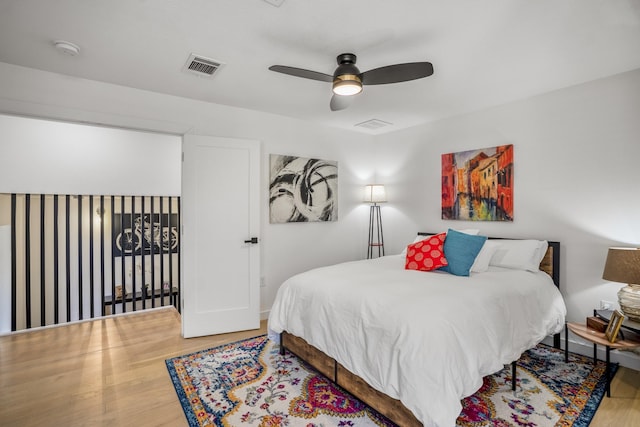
(302, 189)
(477, 185)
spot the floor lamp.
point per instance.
(374, 194)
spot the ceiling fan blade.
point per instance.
(397, 73)
(339, 102)
(300, 72)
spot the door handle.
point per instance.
(253, 240)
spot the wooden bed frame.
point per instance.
(391, 408)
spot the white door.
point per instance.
(220, 212)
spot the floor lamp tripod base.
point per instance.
(376, 239)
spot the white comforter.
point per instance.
(426, 339)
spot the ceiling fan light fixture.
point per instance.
(347, 85)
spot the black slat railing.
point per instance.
(80, 296)
(176, 300)
(53, 241)
(14, 263)
(91, 257)
(153, 263)
(133, 253)
(124, 241)
(27, 256)
(113, 262)
(56, 260)
(102, 270)
(161, 241)
(143, 267)
(67, 246)
(170, 281)
(43, 300)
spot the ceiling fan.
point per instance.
(348, 80)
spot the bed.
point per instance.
(412, 344)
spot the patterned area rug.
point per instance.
(248, 383)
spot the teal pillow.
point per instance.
(461, 250)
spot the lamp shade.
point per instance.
(375, 193)
(623, 265)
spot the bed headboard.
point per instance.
(550, 264)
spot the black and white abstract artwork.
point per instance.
(302, 189)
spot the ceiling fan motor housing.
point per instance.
(346, 66)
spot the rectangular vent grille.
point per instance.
(374, 124)
(201, 66)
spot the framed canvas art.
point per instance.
(302, 189)
(477, 185)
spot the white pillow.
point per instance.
(418, 238)
(519, 254)
(481, 263)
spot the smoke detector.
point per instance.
(66, 48)
(201, 66)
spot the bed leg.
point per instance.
(513, 375)
(556, 341)
(281, 346)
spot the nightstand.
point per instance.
(627, 324)
(596, 337)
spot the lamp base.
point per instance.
(375, 231)
(629, 300)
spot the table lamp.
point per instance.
(623, 265)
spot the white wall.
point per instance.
(49, 157)
(5, 278)
(286, 248)
(576, 175)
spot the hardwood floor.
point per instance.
(108, 372)
(111, 372)
(623, 407)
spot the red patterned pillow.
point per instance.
(427, 254)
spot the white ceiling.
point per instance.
(484, 53)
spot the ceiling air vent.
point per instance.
(373, 124)
(275, 3)
(201, 66)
